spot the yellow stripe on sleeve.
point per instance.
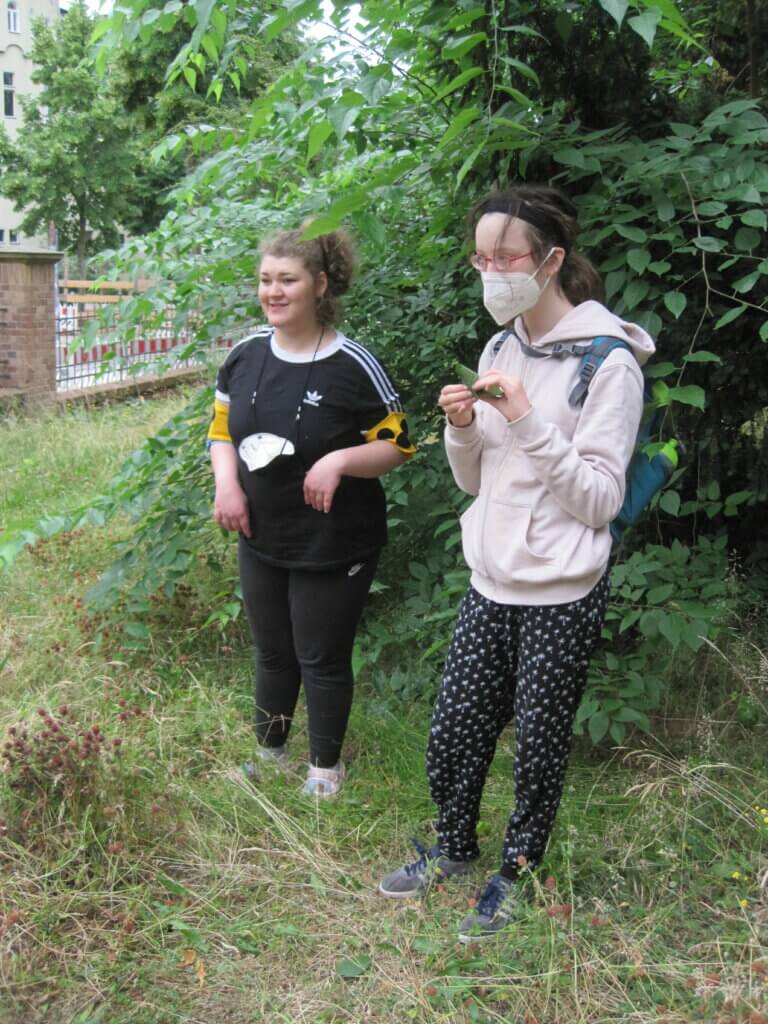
(393, 428)
(219, 428)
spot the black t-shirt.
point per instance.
(339, 398)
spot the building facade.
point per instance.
(16, 17)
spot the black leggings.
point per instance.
(303, 624)
(509, 662)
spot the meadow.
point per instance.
(143, 880)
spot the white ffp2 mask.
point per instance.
(505, 296)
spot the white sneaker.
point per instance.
(324, 782)
(276, 757)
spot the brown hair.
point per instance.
(332, 254)
(550, 220)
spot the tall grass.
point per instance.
(165, 888)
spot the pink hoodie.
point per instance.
(548, 485)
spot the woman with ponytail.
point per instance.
(305, 421)
(548, 476)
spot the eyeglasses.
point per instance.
(503, 261)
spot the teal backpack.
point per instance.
(646, 474)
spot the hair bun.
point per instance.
(339, 259)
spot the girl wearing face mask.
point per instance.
(305, 422)
(547, 477)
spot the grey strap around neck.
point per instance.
(592, 353)
(559, 350)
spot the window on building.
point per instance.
(2, 236)
(13, 237)
(8, 94)
(13, 16)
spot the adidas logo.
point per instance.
(313, 398)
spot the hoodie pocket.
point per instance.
(471, 535)
(506, 550)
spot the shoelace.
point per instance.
(492, 897)
(426, 855)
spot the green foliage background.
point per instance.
(396, 126)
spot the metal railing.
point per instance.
(110, 358)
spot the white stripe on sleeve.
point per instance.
(381, 382)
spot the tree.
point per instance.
(156, 108)
(74, 160)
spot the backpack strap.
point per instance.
(499, 342)
(591, 361)
(592, 354)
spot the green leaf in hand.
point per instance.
(468, 378)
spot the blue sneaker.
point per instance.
(414, 879)
(493, 911)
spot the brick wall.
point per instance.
(28, 324)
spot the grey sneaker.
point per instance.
(493, 910)
(269, 756)
(414, 879)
